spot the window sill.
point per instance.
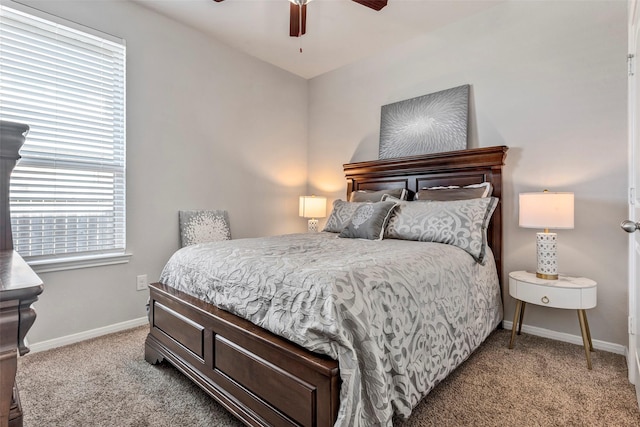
(49, 265)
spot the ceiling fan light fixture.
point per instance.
(298, 14)
(297, 17)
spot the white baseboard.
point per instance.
(93, 333)
(117, 327)
(637, 361)
(573, 339)
(632, 360)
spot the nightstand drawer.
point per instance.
(550, 296)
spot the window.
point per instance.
(68, 191)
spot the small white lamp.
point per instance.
(313, 207)
(546, 210)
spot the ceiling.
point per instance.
(338, 31)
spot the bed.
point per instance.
(279, 369)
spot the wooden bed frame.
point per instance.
(264, 379)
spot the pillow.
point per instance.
(377, 196)
(368, 221)
(462, 223)
(388, 198)
(340, 215)
(455, 193)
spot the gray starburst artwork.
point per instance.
(203, 226)
(427, 124)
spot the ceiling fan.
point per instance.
(298, 13)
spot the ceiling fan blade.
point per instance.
(297, 20)
(373, 4)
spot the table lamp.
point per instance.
(313, 207)
(546, 210)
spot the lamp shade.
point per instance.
(546, 210)
(313, 207)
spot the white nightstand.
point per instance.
(577, 293)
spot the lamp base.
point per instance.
(547, 254)
(546, 276)
(312, 225)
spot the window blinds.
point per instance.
(68, 191)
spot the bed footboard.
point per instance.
(259, 377)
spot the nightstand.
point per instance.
(573, 293)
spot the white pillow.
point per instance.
(455, 192)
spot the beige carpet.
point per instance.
(106, 382)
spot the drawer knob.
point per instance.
(545, 299)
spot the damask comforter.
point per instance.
(397, 315)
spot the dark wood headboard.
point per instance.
(462, 167)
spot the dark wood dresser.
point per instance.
(19, 285)
(19, 288)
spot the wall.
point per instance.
(548, 79)
(207, 128)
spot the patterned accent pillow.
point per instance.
(203, 226)
(377, 196)
(341, 215)
(368, 221)
(455, 193)
(462, 223)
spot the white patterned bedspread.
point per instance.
(397, 315)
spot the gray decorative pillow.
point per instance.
(368, 221)
(462, 223)
(341, 215)
(377, 196)
(203, 226)
(455, 193)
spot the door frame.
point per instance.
(633, 358)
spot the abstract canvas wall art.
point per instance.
(203, 226)
(427, 124)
